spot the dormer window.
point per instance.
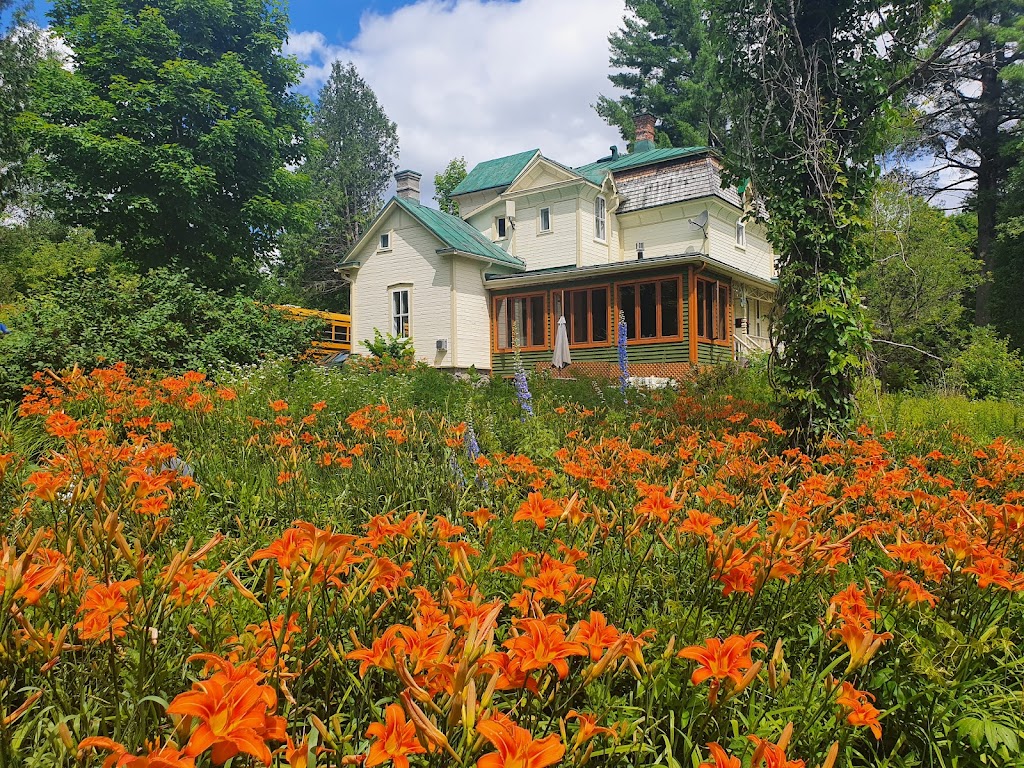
(385, 242)
(600, 210)
(501, 227)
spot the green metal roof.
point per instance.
(595, 171)
(457, 234)
(499, 172)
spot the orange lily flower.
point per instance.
(167, 756)
(862, 712)
(235, 714)
(395, 739)
(720, 758)
(542, 644)
(538, 509)
(516, 747)
(588, 728)
(105, 606)
(862, 643)
(597, 634)
(722, 659)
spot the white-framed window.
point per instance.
(385, 241)
(600, 209)
(544, 222)
(400, 312)
(741, 234)
(501, 227)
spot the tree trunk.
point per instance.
(989, 165)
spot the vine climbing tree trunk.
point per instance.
(813, 86)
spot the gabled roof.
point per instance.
(499, 172)
(457, 234)
(595, 171)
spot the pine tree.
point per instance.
(350, 167)
(968, 117)
(668, 67)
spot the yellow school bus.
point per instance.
(335, 342)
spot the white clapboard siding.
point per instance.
(541, 250)
(412, 261)
(472, 317)
(755, 258)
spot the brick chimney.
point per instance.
(645, 126)
(408, 185)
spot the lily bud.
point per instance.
(830, 758)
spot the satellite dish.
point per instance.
(701, 223)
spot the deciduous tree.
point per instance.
(174, 130)
(920, 268)
(448, 180)
(18, 57)
(812, 86)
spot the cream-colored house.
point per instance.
(651, 234)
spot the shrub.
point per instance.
(160, 321)
(988, 368)
(390, 351)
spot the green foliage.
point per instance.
(1008, 286)
(988, 368)
(18, 58)
(173, 133)
(448, 180)
(160, 321)
(666, 65)
(921, 267)
(350, 166)
(811, 104)
(42, 255)
(390, 348)
(968, 110)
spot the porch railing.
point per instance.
(746, 344)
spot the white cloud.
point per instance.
(481, 79)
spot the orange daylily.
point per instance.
(235, 714)
(588, 728)
(516, 747)
(862, 643)
(862, 712)
(720, 758)
(105, 606)
(541, 644)
(167, 756)
(537, 509)
(597, 635)
(720, 659)
(395, 739)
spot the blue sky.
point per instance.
(338, 20)
(472, 78)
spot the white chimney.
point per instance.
(408, 185)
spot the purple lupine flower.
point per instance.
(472, 446)
(523, 389)
(623, 357)
(519, 377)
(457, 473)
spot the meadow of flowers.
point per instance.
(300, 568)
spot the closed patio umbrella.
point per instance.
(561, 358)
